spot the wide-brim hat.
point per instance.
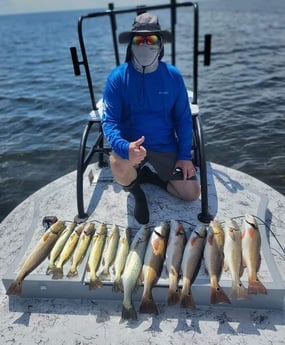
(145, 23)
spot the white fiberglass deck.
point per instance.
(231, 194)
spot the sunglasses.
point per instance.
(149, 40)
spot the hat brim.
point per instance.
(124, 37)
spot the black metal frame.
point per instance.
(98, 146)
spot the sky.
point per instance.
(27, 6)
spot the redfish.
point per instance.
(174, 252)
(191, 263)
(214, 260)
(251, 243)
(152, 267)
(233, 259)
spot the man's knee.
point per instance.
(194, 192)
(185, 190)
(123, 172)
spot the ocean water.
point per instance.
(44, 107)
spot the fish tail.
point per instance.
(15, 288)
(57, 273)
(239, 292)
(187, 301)
(118, 285)
(148, 306)
(95, 283)
(218, 296)
(128, 313)
(72, 273)
(50, 269)
(173, 297)
(255, 287)
(105, 275)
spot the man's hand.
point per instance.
(188, 169)
(137, 152)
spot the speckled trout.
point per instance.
(233, 258)
(67, 251)
(133, 270)
(251, 243)
(173, 258)
(121, 258)
(81, 248)
(57, 248)
(152, 267)
(97, 247)
(191, 263)
(110, 252)
(214, 261)
(37, 256)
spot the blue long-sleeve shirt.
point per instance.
(154, 105)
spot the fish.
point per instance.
(191, 264)
(57, 248)
(251, 258)
(121, 258)
(173, 258)
(132, 271)
(110, 252)
(97, 247)
(233, 258)
(67, 251)
(81, 248)
(152, 267)
(214, 260)
(37, 256)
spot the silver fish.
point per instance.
(97, 247)
(133, 270)
(80, 251)
(110, 252)
(121, 258)
(57, 248)
(67, 251)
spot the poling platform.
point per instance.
(232, 194)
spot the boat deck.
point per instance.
(232, 194)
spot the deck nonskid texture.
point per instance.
(229, 196)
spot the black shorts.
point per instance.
(163, 163)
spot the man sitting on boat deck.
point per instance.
(147, 118)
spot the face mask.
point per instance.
(146, 55)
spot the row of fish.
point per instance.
(230, 248)
(143, 258)
(105, 247)
(61, 243)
